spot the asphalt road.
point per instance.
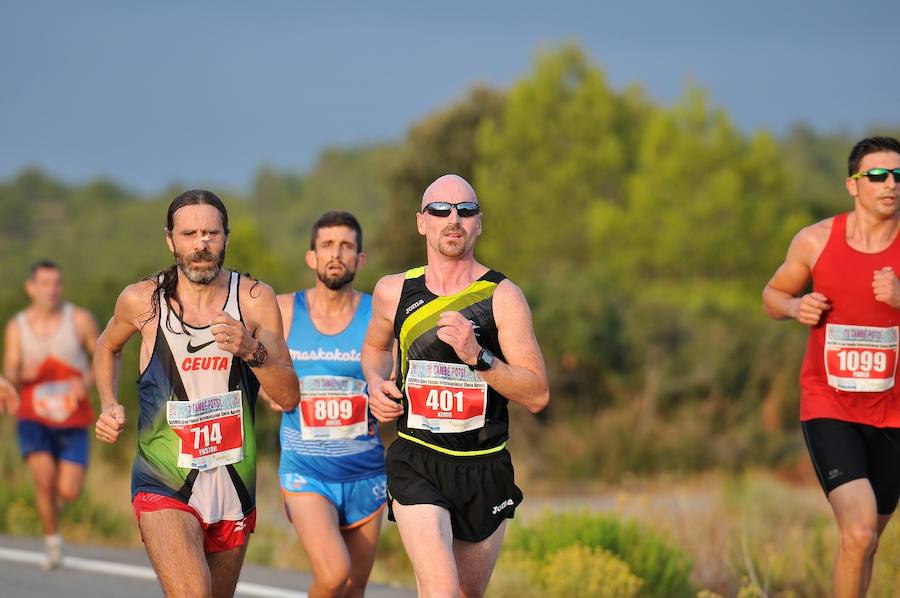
(103, 572)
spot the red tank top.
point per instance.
(850, 369)
(55, 396)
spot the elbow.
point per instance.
(291, 401)
(540, 401)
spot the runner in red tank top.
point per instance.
(850, 402)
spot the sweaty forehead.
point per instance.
(880, 160)
(197, 216)
(451, 188)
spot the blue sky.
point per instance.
(203, 92)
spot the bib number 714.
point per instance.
(207, 435)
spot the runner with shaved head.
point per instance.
(465, 349)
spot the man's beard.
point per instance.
(454, 248)
(200, 275)
(338, 282)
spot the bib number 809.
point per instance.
(333, 409)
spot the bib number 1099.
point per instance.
(863, 361)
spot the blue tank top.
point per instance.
(331, 435)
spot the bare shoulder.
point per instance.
(816, 235)
(808, 244)
(285, 301)
(509, 302)
(389, 286)
(136, 297)
(253, 291)
(509, 293)
(386, 296)
(11, 327)
(81, 314)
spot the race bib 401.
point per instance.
(444, 397)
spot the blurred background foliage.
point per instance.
(642, 235)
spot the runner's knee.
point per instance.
(188, 587)
(333, 578)
(861, 540)
(68, 492)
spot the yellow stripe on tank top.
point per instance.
(425, 318)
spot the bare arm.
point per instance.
(377, 350)
(12, 355)
(276, 376)
(131, 304)
(286, 307)
(9, 398)
(522, 378)
(781, 299)
(86, 328)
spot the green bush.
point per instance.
(664, 568)
(573, 572)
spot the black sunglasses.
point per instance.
(442, 209)
(878, 175)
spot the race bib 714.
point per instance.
(211, 430)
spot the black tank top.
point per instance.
(438, 381)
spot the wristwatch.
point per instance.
(259, 357)
(484, 362)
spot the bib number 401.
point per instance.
(444, 400)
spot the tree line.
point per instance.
(642, 235)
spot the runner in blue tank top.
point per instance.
(332, 461)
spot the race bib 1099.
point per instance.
(860, 358)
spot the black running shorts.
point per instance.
(845, 451)
(479, 492)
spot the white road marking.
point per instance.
(110, 568)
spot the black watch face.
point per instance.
(485, 360)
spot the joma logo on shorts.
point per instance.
(506, 503)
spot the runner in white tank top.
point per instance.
(48, 348)
(195, 470)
